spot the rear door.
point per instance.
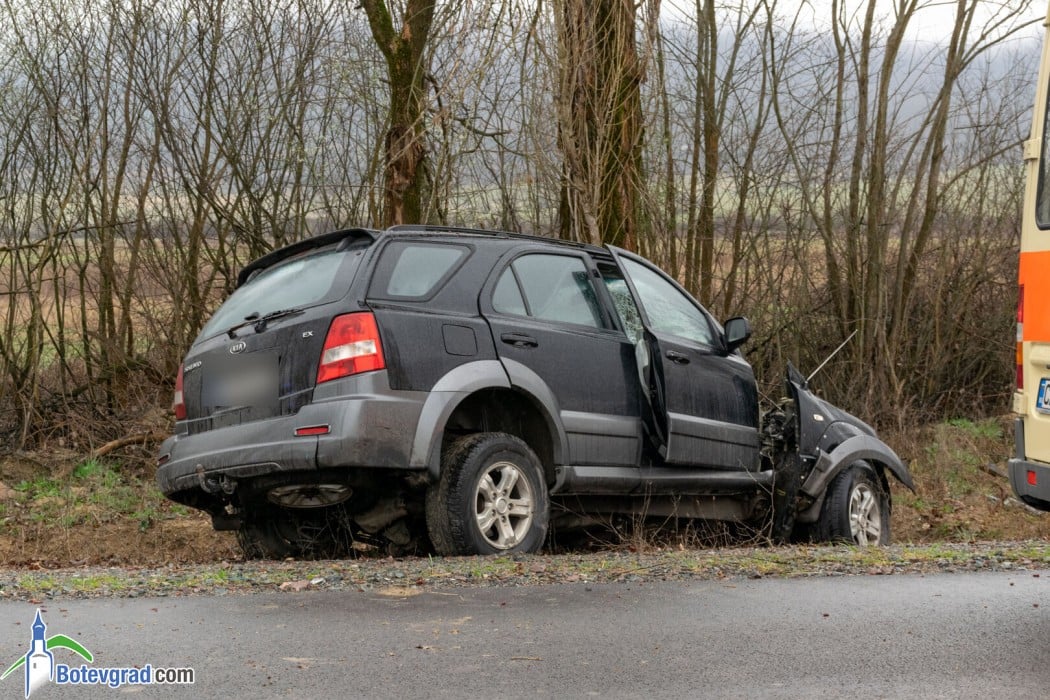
(704, 399)
(554, 336)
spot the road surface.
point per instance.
(947, 635)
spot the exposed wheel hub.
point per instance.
(865, 516)
(504, 505)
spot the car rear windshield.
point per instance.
(315, 279)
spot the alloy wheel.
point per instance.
(504, 505)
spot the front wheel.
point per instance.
(856, 508)
(491, 498)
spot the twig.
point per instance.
(136, 439)
(994, 470)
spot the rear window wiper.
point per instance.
(259, 322)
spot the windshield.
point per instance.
(298, 283)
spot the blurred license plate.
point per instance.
(1042, 399)
(248, 380)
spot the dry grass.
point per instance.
(61, 510)
(958, 497)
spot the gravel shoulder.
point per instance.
(410, 576)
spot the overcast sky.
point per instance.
(932, 23)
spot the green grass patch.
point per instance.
(40, 487)
(88, 469)
(96, 491)
(986, 429)
(98, 582)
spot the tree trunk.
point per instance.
(405, 147)
(600, 125)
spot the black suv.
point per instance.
(467, 388)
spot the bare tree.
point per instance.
(405, 52)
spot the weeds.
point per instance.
(99, 510)
(985, 429)
(41, 487)
(96, 493)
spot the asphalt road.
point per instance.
(948, 635)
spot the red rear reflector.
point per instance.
(1033, 480)
(178, 404)
(351, 346)
(312, 430)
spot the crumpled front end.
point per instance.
(829, 440)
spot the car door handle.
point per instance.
(519, 340)
(677, 357)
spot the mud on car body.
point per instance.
(465, 389)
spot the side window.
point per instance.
(551, 287)
(669, 310)
(506, 298)
(1042, 204)
(626, 309)
(411, 270)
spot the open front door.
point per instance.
(646, 347)
(703, 400)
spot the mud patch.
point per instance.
(181, 540)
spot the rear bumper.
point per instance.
(1023, 473)
(1037, 495)
(370, 426)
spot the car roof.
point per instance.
(349, 236)
(463, 231)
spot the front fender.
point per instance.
(858, 448)
(832, 439)
(828, 465)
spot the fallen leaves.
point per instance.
(398, 591)
(294, 586)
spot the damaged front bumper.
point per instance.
(829, 440)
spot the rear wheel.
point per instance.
(491, 498)
(263, 539)
(278, 533)
(856, 508)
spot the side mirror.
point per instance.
(737, 331)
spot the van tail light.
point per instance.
(351, 346)
(1020, 338)
(178, 404)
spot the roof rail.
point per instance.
(432, 228)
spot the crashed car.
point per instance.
(464, 390)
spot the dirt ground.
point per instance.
(59, 509)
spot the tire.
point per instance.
(279, 533)
(856, 508)
(491, 498)
(261, 539)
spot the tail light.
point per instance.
(178, 404)
(1020, 337)
(351, 346)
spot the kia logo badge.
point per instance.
(238, 347)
